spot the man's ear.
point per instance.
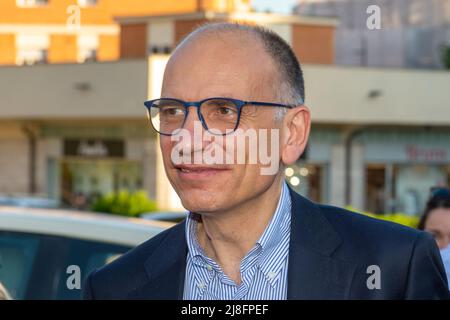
(295, 133)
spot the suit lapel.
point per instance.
(165, 268)
(314, 271)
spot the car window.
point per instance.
(17, 257)
(85, 256)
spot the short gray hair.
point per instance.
(291, 88)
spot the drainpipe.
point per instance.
(32, 138)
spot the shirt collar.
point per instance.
(273, 242)
(275, 239)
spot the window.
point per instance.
(31, 3)
(87, 47)
(17, 257)
(31, 49)
(160, 49)
(88, 255)
(87, 55)
(33, 266)
(87, 3)
(417, 12)
(31, 57)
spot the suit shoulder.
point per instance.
(143, 251)
(128, 271)
(352, 224)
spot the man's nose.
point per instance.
(193, 125)
(192, 120)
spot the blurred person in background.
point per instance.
(436, 220)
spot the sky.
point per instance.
(279, 6)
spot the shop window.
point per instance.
(85, 179)
(413, 183)
(375, 189)
(402, 188)
(306, 179)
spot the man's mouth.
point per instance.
(199, 168)
(199, 171)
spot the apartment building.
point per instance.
(75, 31)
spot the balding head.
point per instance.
(286, 78)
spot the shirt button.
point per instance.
(201, 285)
(271, 275)
(209, 267)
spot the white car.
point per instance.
(47, 253)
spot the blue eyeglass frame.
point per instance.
(239, 104)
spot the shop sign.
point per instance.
(427, 154)
(93, 147)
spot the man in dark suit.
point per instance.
(248, 235)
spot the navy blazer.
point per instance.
(330, 252)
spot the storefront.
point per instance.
(401, 166)
(84, 167)
(392, 169)
(93, 167)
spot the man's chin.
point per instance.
(204, 198)
(200, 205)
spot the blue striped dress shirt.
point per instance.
(263, 269)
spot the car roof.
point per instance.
(164, 216)
(80, 224)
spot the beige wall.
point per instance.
(336, 95)
(113, 90)
(340, 95)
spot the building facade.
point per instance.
(412, 32)
(72, 31)
(146, 35)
